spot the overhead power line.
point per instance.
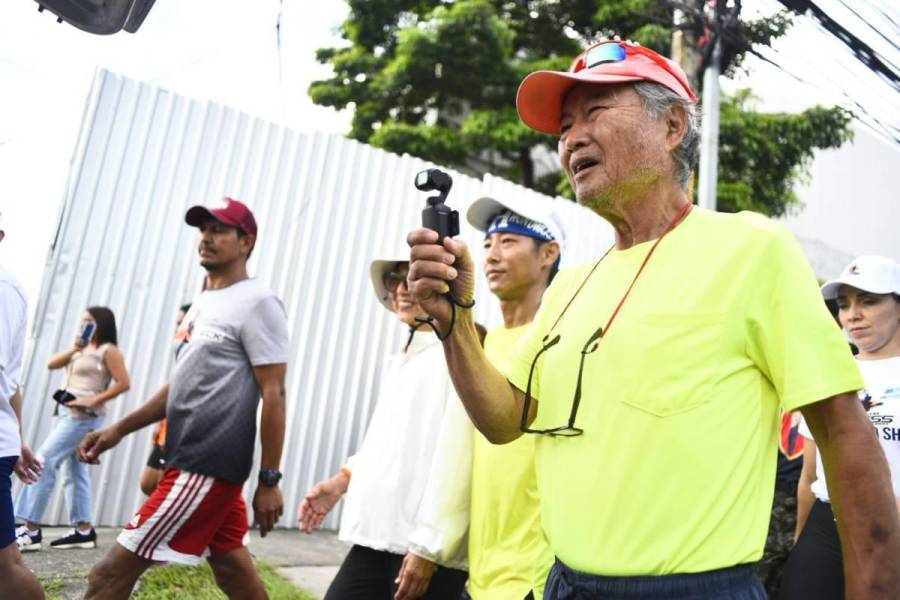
(865, 115)
(873, 28)
(885, 15)
(887, 130)
(863, 52)
(278, 40)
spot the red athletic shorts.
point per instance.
(187, 517)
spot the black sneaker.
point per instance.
(28, 542)
(76, 539)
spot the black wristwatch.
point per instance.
(270, 477)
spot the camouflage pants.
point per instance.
(779, 541)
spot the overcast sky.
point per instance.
(225, 50)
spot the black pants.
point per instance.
(815, 570)
(368, 574)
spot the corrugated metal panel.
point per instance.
(326, 206)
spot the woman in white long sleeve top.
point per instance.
(407, 487)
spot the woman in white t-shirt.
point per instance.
(95, 374)
(868, 299)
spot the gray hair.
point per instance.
(657, 100)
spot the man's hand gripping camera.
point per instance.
(439, 217)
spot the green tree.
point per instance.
(438, 79)
(762, 156)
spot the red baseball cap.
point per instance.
(540, 96)
(228, 211)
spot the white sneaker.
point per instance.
(26, 541)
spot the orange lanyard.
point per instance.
(678, 219)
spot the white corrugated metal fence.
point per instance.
(325, 205)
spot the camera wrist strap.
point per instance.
(454, 302)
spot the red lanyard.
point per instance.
(678, 219)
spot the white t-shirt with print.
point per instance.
(213, 392)
(13, 315)
(881, 398)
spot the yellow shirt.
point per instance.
(680, 404)
(508, 554)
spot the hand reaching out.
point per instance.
(95, 443)
(29, 467)
(319, 501)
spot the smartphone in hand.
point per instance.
(87, 332)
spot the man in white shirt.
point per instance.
(16, 580)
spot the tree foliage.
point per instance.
(762, 156)
(438, 79)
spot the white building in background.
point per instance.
(851, 204)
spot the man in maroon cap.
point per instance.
(233, 349)
(652, 377)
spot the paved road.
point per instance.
(309, 560)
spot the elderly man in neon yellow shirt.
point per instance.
(652, 377)
(509, 558)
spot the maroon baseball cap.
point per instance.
(228, 211)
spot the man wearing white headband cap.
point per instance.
(509, 558)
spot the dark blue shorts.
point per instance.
(7, 516)
(734, 583)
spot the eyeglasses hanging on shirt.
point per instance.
(593, 342)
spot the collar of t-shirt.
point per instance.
(882, 370)
(423, 338)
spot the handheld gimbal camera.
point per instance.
(437, 215)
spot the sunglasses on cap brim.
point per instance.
(615, 51)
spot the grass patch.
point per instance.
(53, 587)
(176, 582)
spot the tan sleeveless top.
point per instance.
(88, 376)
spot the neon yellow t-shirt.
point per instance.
(508, 554)
(675, 470)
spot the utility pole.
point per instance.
(698, 23)
(709, 130)
(685, 42)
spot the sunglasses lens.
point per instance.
(392, 281)
(571, 432)
(604, 53)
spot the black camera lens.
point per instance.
(434, 179)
